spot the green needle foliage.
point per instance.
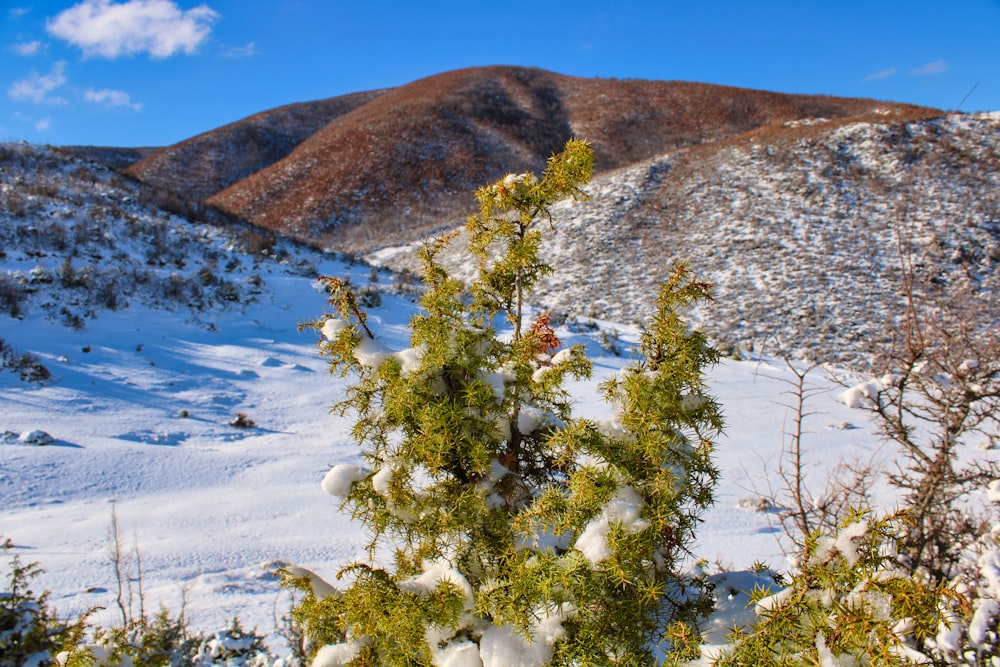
(520, 533)
(30, 632)
(851, 603)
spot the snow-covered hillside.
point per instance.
(803, 230)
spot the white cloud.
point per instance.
(18, 11)
(27, 48)
(111, 98)
(882, 74)
(43, 124)
(248, 51)
(111, 30)
(36, 87)
(936, 67)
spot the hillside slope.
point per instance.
(212, 161)
(154, 333)
(78, 240)
(803, 229)
(401, 162)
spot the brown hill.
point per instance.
(388, 167)
(203, 165)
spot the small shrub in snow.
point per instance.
(933, 395)
(970, 633)
(71, 319)
(24, 364)
(12, 296)
(241, 420)
(37, 438)
(233, 647)
(610, 342)
(521, 534)
(369, 297)
(158, 641)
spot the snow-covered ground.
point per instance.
(209, 504)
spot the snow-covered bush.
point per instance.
(158, 641)
(12, 296)
(24, 363)
(164, 640)
(851, 603)
(970, 634)
(521, 535)
(232, 647)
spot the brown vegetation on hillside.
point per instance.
(389, 167)
(203, 165)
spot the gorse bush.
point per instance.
(520, 534)
(852, 602)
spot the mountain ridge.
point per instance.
(401, 162)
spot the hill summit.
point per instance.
(353, 171)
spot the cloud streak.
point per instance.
(936, 67)
(36, 87)
(27, 48)
(111, 98)
(112, 30)
(248, 51)
(881, 74)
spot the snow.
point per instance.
(732, 603)
(982, 621)
(458, 654)
(371, 353)
(501, 646)
(434, 575)
(341, 477)
(332, 327)
(336, 655)
(624, 510)
(772, 602)
(320, 587)
(210, 505)
(845, 542)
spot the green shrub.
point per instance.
(851, 603)
(520, 533)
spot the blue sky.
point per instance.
(153, 72)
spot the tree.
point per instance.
(521, 534)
